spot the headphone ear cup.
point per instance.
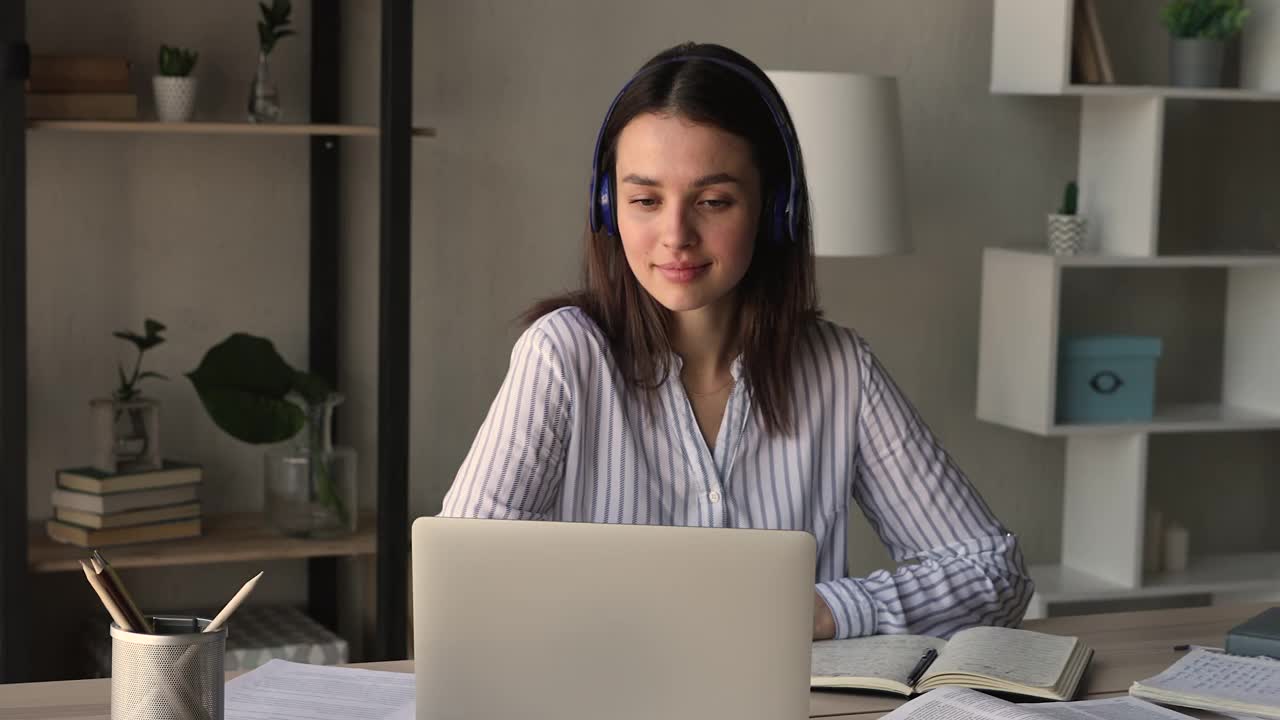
(604, 203)
(599, 200)
(781, 219)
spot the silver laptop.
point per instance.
(541, 620)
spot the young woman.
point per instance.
(693, 382)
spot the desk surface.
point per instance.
(1129, 647)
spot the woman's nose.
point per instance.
(680, 230)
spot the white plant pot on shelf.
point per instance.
(1066, 234)
(175, 98)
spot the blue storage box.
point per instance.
(1108, 378)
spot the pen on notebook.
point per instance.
(233, 604)
(96, 583)
(1184, 648)
(923, 664)
(122, 596)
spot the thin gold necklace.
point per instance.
(709, 392)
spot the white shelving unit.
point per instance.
(1105, 485)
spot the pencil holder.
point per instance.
(174, 674)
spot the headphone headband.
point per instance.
(602, 212)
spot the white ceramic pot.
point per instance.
(1066, 234)
(175, 98)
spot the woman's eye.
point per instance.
(717, 203)
(644, 202)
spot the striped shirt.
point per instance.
(563, 441)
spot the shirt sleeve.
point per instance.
(515, 467)
(958, 566)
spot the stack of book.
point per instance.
(95, 509)
(80, 87)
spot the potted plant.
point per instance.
(127, 424)
(264, 98)
(1066, 227)
(1199, 30)
(252, 394)
(174, 87)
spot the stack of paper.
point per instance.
(282, 690)
(963, 704)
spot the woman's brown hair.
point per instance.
(777, 300)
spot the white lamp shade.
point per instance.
(851, 140)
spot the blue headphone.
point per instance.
(603, 209)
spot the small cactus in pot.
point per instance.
(175, 88)
(1067, 227)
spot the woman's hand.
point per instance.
(824, 623)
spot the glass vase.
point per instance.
(311, 485)
(126, 434)
(264, 98)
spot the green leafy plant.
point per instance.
(249, 390)
(253, 395)
(176, 61)
(274, 24)
(1211, 19)
(150, 337)
(1070, 197)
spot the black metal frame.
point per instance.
(395, 170)
(15, 638)
(323, 306)
(324, 292)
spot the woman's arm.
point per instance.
(964, 568)
(516, 463)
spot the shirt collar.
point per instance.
(735, 369)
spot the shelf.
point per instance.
(1209, 574)
(213, 128)
(1032, 53)
(1173, 93)
(227, 538)
(1143, 92)
(1183, 418)
(1102, 260)
(1019, 341)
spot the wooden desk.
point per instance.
(1130, 646)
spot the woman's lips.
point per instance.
(683, 272)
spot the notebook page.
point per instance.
(1017, 656)
(1222, 678)
(281, 690)
(953, 703)
(406, 712)
(1121, 708)
(891, 657)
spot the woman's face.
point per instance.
(688, 203)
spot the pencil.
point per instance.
(233, 604)
(101, 566)
(105, 597)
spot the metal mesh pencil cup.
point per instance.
(174, 674)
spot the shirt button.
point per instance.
(714, 496)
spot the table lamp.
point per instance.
(849, 134)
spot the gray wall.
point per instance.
(209, 234)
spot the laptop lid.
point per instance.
(571, 621)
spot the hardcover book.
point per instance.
(92, 480)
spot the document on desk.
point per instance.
(955, 703)
(1217, 681)
(963, 704)
(281, 690)
(1121, 708)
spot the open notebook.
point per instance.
(1227, 684)
(1020, 662)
